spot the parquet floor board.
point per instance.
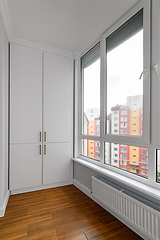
(62, 213)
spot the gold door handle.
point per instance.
(40, 137)
(44, 149)
(40, 150)
(45, 134)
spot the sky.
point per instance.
(124, 67)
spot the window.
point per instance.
(123, 131)
(97, 149)
(125, 98)
(144, 166)
(133, 162)
(97, 122)
(124, 156)
(123, 150)
(123, 119)
(144, 172)
(123, 125)
(123, 162)
(144, 152)
(123, 112)
(97, 156)
(144, 159)
(88, 149)
(91, 89)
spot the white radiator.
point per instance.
(137, 214)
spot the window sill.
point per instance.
(151, 191)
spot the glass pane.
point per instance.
(158, 165)
(91, 149)
(124, 85)
(91, 92)
(130, 158)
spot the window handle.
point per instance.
(155, 66)
(144, 71)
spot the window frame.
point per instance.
(131, 140)
(145, 141)
(155, 77)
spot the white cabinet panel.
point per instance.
(28, 102)
(57, 98)
(57, 163)
(26, 94)
(26, 166)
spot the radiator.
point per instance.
(137, 214)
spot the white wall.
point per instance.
(3, 118)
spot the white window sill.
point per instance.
(153, 192)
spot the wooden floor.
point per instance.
(63, 213)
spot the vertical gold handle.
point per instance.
(44, 149)
(45, 136)
(40, 149)
(40, 138)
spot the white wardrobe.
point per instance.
(41, 119)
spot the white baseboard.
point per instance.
(82, 188)
(42, 187)
(88, 192)
(3, 209)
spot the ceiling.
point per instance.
(67, 25)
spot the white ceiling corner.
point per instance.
(23, 42)
(63, 27)
(6, 19)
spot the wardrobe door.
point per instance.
(57, 163)
(26, 94)
(57, 98)
(26, 117)
(26, 166)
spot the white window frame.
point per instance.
(131, 140)
(155, 77)
(144, 141)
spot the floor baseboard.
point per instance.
(3, 209)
